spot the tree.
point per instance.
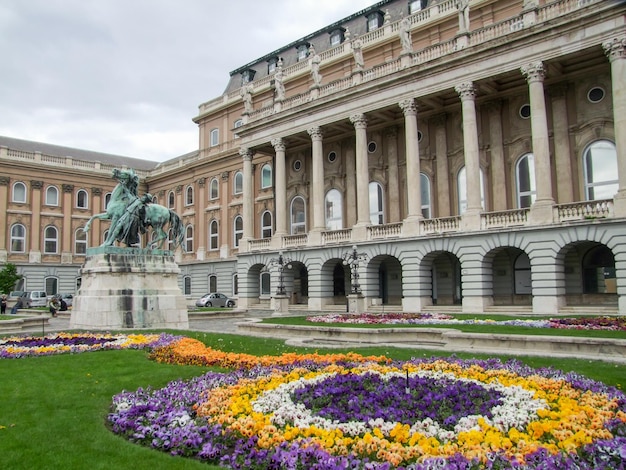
(8, 278)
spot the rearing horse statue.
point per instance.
(131, 215)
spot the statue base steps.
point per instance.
(125, 288)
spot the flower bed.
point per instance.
(59, 343)
(583, 323)
(349, 411)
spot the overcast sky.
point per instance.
(126, 76)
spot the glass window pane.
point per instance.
(601, 170)
(334, 210)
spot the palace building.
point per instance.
(467, 154)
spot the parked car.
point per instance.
(215, 300)
(35, 298)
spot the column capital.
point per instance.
(558, 91)
(316, 133)
(439, 119)
(4, 180)
(408, 106)
(493, 105)
(225, 175)
(201, 182)
(36, 184)
(466, 91)
(179, 189)
(359, 121)
(246, 153)
(68, 188)
(96, 191)
(534, 72)
(615, 48)
(391, 132)
(279, 144)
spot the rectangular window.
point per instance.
(215, 137)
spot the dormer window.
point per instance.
(247, 76)
(303, 51)
(417, 5)
(337, 36)
(272, 64)
(374, 20)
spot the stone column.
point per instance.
(443, 180)
(362, 170)
(350, 187)
(317, 190)
(615, 49)
(393, 184)
(471, 218)
(498, 171)
(4, 204)
(414, 205)
(225, 220)
(562, 151)
(248, 200)
(541, 210)
(200, 234)
(280, 196)
(36, 229)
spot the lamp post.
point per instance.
(281, 263)
(352, 260)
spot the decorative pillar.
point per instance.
(201, 221)
(471, 217)
(615, 49)
(562, 151)
(414, 205)
(393, 184)
(280, 197)
(36, 229)
(226, 219)
(498, 171)
(442, 176)
(317, 191)
(351, 203)
(541, 210)
(248, 225)
(4, 204)
(362, 170)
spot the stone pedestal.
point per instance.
(280, 305)
(129, 288)
(356, 303)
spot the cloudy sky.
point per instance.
(126, 76)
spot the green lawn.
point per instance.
(53, 409)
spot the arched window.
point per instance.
(171, 200)
(189, 239)
(186, 285)
(155, 200)
(52, 196)
(266, 285)
(525, 179)
(107, 200)
(214, 192)
(189, 196)
(212, 283)
(50, 240)
(18, 238)
(52, 285)
(461, 180)
(19, 192)
(215, 137)
(600, 163)
(235, 284)
(80, 242)
(377, 213)
(266, 225)
(213, 235)
(425, 196)
(237, 230)
(599, 271)
(334, 210)
(238, 188)
(266, 176)
(298, 215)
(82, 199)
